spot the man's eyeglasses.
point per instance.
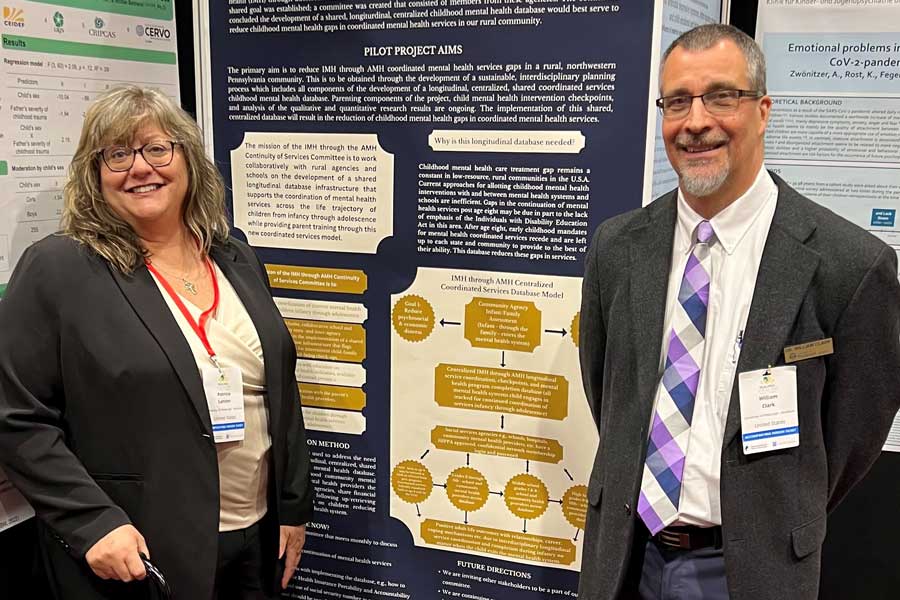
(156, 154)
(717, 102)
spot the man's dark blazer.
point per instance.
(103, 418)
(820, 277)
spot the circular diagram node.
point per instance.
(574, 505)
(576, 322)
(467, 489)
(413, 318)
(526, 496)
(412, 481)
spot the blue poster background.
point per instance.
(614, 152)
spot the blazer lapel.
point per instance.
(651, 259)
(142, 293)
(245, 279)
(785, 271)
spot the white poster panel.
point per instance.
(673, 17)
(56, 57)
(834, 134)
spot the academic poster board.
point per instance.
(834, 133)
(421, 179)
(675, 17)
(55, 58)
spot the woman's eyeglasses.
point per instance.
(156, 154)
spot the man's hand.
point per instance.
(115, 555)
(291, 547)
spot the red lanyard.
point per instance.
(199, 329)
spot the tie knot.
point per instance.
(705, 232)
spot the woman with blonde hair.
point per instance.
(148, 403)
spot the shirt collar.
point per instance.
(733, 222)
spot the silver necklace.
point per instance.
(189, 286)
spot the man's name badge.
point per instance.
(808, 350)
(769, 418)
(224, 390)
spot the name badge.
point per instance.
(808, 350)
(224, 390)
(769, 419)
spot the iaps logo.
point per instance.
(58, 21)
(13, 17)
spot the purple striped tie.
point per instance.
(671, 429)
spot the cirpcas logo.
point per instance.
(99, 30)
(153, 31)
(13, 17)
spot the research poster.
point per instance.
(421, 179)
(676, 17)
(13, 507)
(834, 133)
(55, 58)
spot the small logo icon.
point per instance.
(58, 19)
(98, 30)
(13, 17)
(153, 32)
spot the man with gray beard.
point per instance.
(740, 351)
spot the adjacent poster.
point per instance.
(834, 134)
(13, 507)
(421, 179)
(676, 16)
(55, 57)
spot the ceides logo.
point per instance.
(98, 30)
(154, 32)
(13, 17)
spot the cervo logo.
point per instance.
(13, 17)
(153, 31)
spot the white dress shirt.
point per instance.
(741, 230)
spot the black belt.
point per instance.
(689, 537)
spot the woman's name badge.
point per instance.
(224, 390)
(769, 418)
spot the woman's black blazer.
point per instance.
(103, 419)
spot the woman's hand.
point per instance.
(291, 547)
(115, 555)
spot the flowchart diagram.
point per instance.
(491, 437)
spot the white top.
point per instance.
(243, 465)
(741, 230)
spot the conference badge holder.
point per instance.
(769, 419)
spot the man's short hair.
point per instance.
(705, 36)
